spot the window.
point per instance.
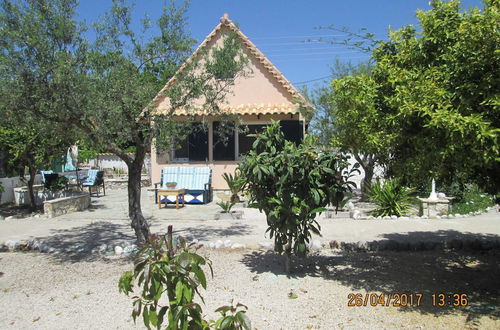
(224, 140)
(245, 142)
(195, 146)
(292, 130)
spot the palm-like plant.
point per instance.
(235, 183)
(391, 198)
(226, 206)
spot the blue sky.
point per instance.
(281, 28)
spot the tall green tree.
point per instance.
(441, 87)
(347, 117)
(41, 53)
(430, 105)
(126, 71)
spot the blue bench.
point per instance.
(197, 181)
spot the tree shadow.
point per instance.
(203, 233)
(76, 244)
(449, 271)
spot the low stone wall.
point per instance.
(122, 182)
(60, 206)
(22, 197)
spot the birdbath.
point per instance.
(433, 206)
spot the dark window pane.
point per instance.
(245, 142)
(223, 136)
(182, 151)
(198, 143)
(292, 130)
(195, 146)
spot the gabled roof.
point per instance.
(254, 108)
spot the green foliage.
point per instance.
(59, 183)
(173, 271)
(235, 183)
(86, 154)
(226, 206)
(391, 198)
(429, 106)
(292, 184)
(237, 318)
(40, 79)
(168, 274)
(472, 200)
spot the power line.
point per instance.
(308, 81)
(320, 53)
(280, 60)
(297, 49)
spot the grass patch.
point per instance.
(473, 200)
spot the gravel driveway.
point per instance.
(47, 291)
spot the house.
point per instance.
(257, 98)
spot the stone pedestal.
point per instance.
(433, 207)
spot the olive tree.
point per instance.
(292, 184)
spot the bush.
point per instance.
(472, 200)
(235, 183)
(172, 272)
(391, 198)
(226, 206)
(292, 184)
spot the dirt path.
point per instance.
(50, 292)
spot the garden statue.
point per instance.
(433, 196)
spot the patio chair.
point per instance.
(95, 178)
(43, 174)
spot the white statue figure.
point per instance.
(433, 196)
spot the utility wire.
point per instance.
(320, 53)
(308, 81)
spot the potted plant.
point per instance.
(171, 185)
(226, 212)
(236, 185)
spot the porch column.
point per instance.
(210, 141)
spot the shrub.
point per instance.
(226, 206)
(54, 182)
(292, 184)
(172, 272)
(235, 183)
(391, 198)
(472, 200)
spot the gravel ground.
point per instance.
(53, 292)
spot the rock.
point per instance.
(441, 195)
(315, 245)
(195, 241)
(211, 245)
(438, 217)
(237, 246)
(34, 244)
(10, 218)
(379, 218)
(394, 216)
(386, 217)
(350, 206)
(272, 276)
(130, 249)
(37, 216)
(356, 214)
(118, 250)
(267, 245)
(12, 245)
(371, 217)
(362, 245)
(424, 217)
(102, 248)
(404, 218)
(227, 243)
(219, 244)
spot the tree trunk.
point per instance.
(139, 223)
(365, 183)
(31, 181)
(288, 255)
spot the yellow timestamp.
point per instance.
(407, 299)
